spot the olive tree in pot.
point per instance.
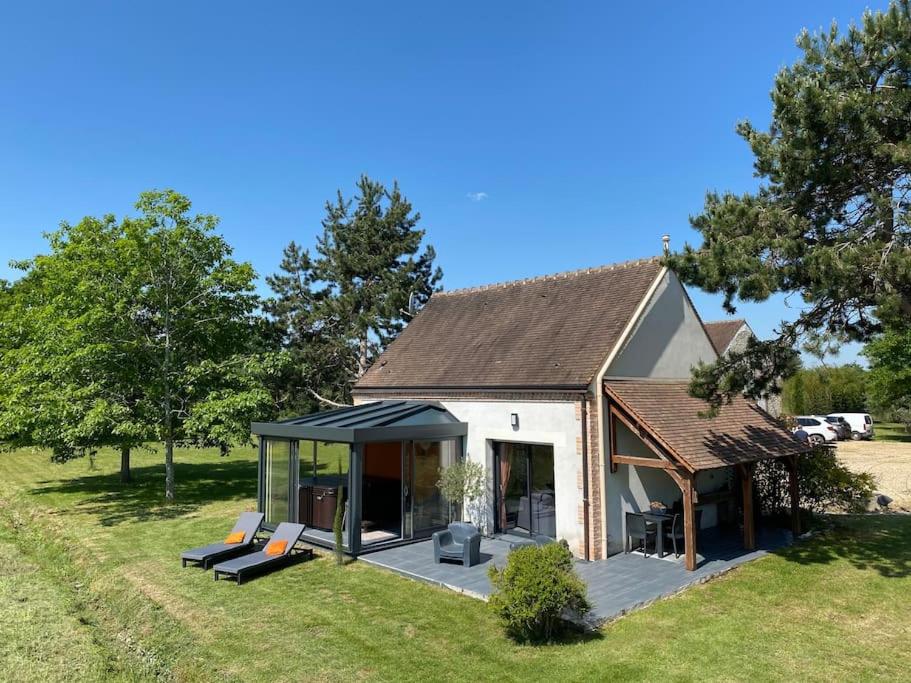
(464, 485)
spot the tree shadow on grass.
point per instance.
(143, 500)
(878, 542)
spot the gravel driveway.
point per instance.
(888, 461)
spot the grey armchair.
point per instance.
(460, 541)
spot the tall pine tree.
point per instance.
(831, 220)
(339, 309)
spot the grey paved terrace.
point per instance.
(615, 586)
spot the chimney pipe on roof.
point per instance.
(666, 244)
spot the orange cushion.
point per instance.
(235, 537)
(276, 547)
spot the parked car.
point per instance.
(818, 430)
(861, 424)
(842, 428)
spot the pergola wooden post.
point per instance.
(794, 489)
(689, 520)
(749, 526)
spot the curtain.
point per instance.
(505, 467)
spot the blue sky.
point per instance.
(533, 137)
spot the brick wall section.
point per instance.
(595, 529)
(596, 479)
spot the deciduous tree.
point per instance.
(143, 329)
(69, 381)
(890, 373)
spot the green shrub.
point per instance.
(465, 483)
(825, 389)
(825, 484)
(535, 591)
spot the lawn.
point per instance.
(91, 589)
(891, 431)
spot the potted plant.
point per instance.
(657, 507)
(464, 485)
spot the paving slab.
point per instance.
(616, 585)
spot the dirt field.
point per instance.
(888, 461)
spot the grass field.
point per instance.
(891, 431)
(91, 589)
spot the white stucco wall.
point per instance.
(666, 343)
(540, 422)
(668, 340)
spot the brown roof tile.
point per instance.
(551, 331)
(740, 433)
(722, 332)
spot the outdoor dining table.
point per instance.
(659, 518)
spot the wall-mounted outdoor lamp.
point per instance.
(514, 420)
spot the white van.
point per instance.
(861, 424)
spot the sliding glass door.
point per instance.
(525, 498)
(276, 480)
(429, 509)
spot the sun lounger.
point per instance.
(261, 561)
(248, 523)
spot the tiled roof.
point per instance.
(551, 331)
(740, 433)
(722, 332)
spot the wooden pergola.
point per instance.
(683, 470)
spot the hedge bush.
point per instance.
(536, 591)
(825, 484)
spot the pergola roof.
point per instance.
(378, 421)
(741, 433)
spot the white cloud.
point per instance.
(477, 196)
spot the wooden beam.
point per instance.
(794, 488)
(663, 462)
(643, 462)
(749, 526)
(612, 424)
(634, 428)
(689, 522)
(645, 437)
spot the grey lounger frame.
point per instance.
(248, 522)
(258, 562)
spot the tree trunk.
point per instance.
(169, 470)
(169, 492)
(362, 357)
(125, 476)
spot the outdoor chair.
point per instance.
(675, 533)
(638, 529)
(460, 541)
(248, 523)
(287, 534)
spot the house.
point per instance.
(733, 335)
(729, 335)
(570, 390)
